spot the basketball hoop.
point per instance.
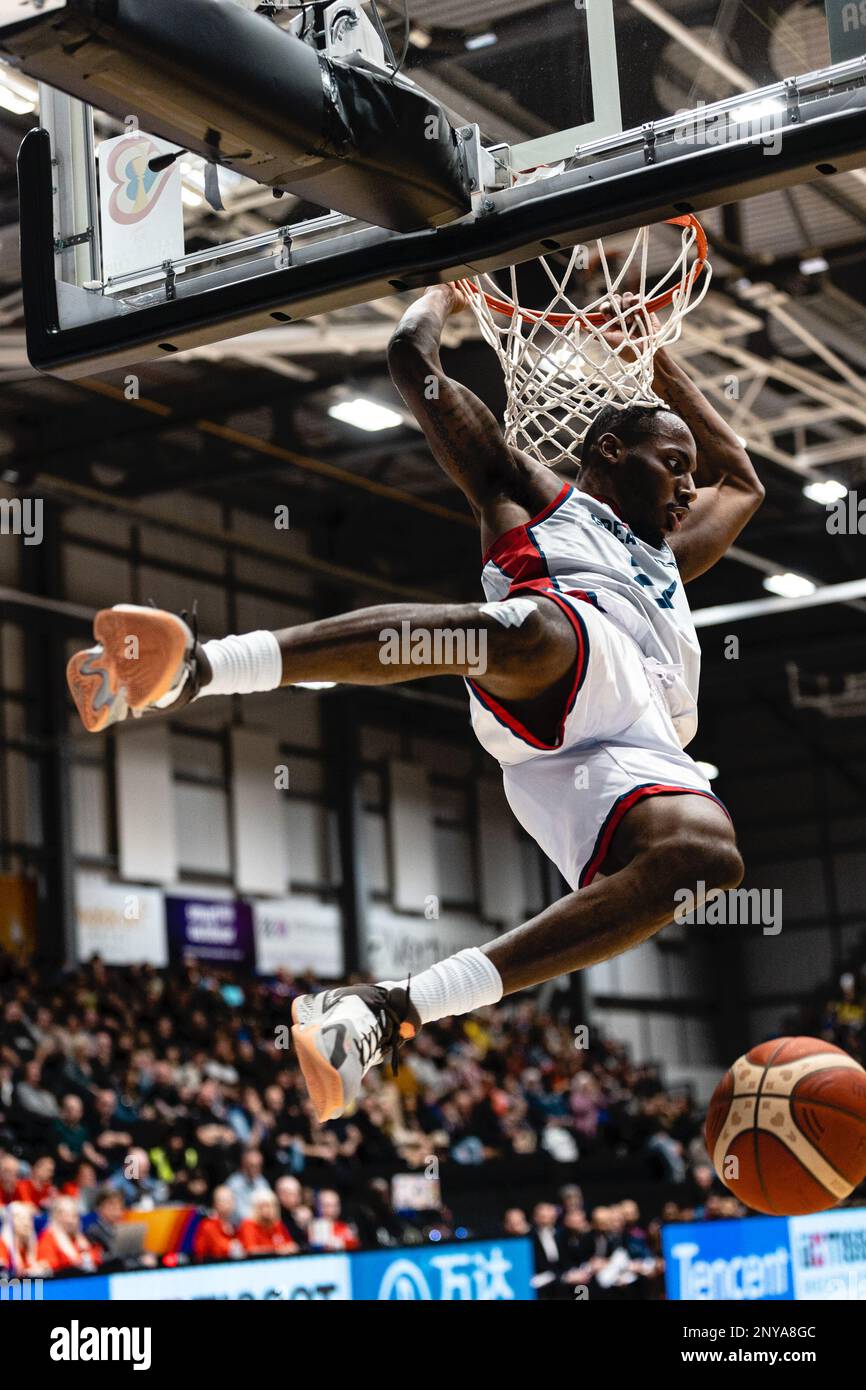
(560, 368)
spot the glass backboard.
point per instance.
(546, 75)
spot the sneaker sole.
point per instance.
(104, 678)
(323, 1080)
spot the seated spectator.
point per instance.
(72, 1136)
(290, 1196)
(18, 1244)
(62, 1246)
(248, 1182)
(38, 1190)
(110, 1140)
(329, 1231)
(379, 1225)
(10, 1170)
(548, 1256)
(103, 1228)
(141, 1191)
(515, 1223)
(32, 1096)
(82, 1185)
(263, 1233)
(216, 1236)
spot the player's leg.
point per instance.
(148, 659)
(663, 844)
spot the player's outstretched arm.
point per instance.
(729, 489)
(500, 483)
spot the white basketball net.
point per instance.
(559, 367)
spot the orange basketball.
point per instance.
(786, 1127)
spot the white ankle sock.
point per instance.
(457, 985)
(243, 665)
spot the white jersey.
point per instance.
(632, 705)
(579, 546)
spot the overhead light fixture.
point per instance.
(365, 414)
(315, 685)
(709, 770)
(192, 199)
(481, 41)
(419, 37)
(755, 110)
(789, 585)
(825, 492)
(814, 265)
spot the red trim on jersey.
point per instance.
(581, 664)
(619, 809)
(518, 544)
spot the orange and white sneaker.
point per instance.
(341, 1033)
(145, 659)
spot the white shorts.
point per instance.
(617, 743)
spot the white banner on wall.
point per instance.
(397, 946)
(298, 934)
(123, 923)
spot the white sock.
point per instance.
(243, 665)
(457, 985)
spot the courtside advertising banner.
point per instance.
(768, 1257)
(477, 1271)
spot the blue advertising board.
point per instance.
(471, 1270)
(768, 1257)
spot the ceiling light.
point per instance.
(419, 37)
(814, 265)
(12, 101)
(709, 770)
(315, 685)
(754, 110)
(825, 492)
(481, 41)
(789, 585)
(191, 199)
(365, 414)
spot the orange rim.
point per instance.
(661, 301)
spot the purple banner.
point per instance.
(217, 931)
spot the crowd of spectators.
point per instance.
(126, 1089)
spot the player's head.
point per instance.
(641, 458)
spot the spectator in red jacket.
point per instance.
(328, 1230)
(38, 1190)
(216, 1237)
(62, 1245)
(263, 1233)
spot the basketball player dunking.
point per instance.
(587, 701)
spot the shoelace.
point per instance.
(385, 1032)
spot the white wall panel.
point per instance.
(258, 831)
(375, 851)
(146, 837)
(203, 830)
(89, 796)
(410, 833)
(640, 972)
(304, 823)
